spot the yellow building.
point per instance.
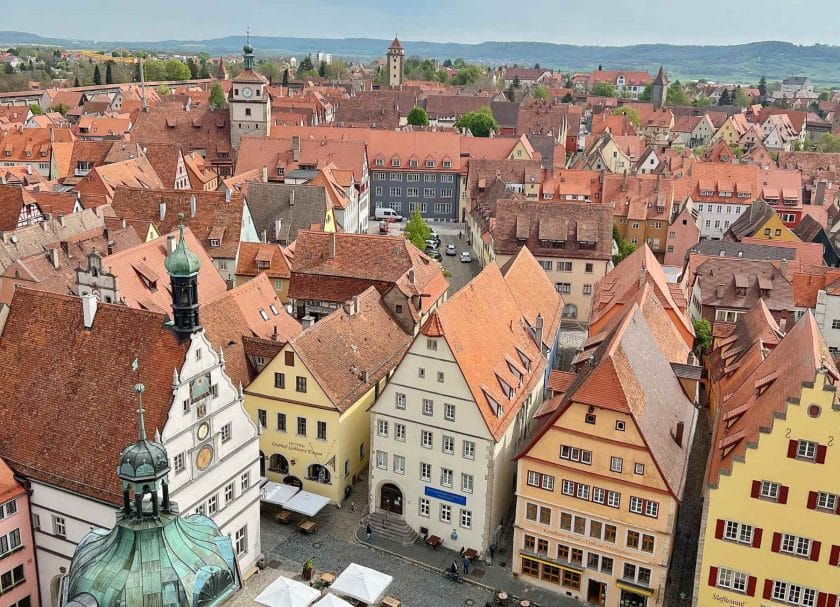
(264, 257)
(599, 487)
(771, 530)
(762, 221)
(312, 398)
(732, 129)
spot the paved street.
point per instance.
(459, 273)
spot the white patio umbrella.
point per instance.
(284, 592)
(362, 583)
(330, 600)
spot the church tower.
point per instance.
(250, 104)
(396, 57)
(183, 266)
(659, 89)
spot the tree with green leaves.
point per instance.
(536, 66)
(447, 63)
(828, 143)
(36, 109)
(204, 71)
(540, 92)
(417, 230)
(269, 70)
(625, 247)
(702, 336)
(177, 70)
(442, 76)
(467, 75)
(418, 116)
(677, 95)
(286, 77)
(510, 93)
(740, 97)
(516, 82)
(568, 98)
(193, 67)
(76, 82)
(217, 95)
(306, 65)
(603, 89)
(322, 69)
(725, 99)
(629, 111)
(137, 76)
(762, 87)
(61, 108)
(109, 75)
(647, 93)
(480, 123)
(97, 76)
(164, 90)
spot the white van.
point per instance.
(387, 214)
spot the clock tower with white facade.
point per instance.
(250, 103)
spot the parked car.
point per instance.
(434, 236)
(451, 250)
(432, 244)
(466, 257)
(434, 254)
(387, 214)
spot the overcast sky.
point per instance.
(603, 22)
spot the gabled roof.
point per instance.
(12, 200)
(296, 207)
(755, 401)
(214, 217)
(250, 311)
(721, 278)
(257, 257)
(750, 221)
(628, 373)
(489, 305)
(44, 337)
(350, 350)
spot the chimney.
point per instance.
(109, 247)
(642, 276)
(170, 243)
(783, 325)
(228, 194)
(363, 377)
(292, 198)
(307, 321)
(624, 181)
(296, 148)
(538, 331)
(656, 187)
(354, 305)
(784, 268)
(162, 208)
(54, 258)
(678, 433)
(88, 309)
(278, 225)
(819, 198)
(192, 205)
(332, 245)
(46, 223)
(28, 169)
(264, 236)
(265, 174)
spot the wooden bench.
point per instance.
(308, 526)
(283, 517)
(390, 601)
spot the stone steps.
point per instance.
(392, 527)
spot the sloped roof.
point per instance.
(756, 276)
(628, 373)
(753, 405)
(758, 214)
(11, 204)
(251, 254)
(233, 316)
(487, 305)
(298, 207)
(351, 349)
(44, 337)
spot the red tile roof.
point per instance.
(257, 257)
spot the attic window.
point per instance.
(506, 388)
(395, 162)
(274, 309)
(263, 314)
(430, 164)
(413, 163)
(526, 362)
(447, 164)
(494, 405)
(379, 162)
(214, 242)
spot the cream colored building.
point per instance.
(445, 429)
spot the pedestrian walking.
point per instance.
(368, 531)
(460, 235)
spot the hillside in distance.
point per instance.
(734, 63)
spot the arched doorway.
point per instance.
(570, 311)
(262, 464)
(318, 473)
(278, 463)
(293, 481)
(391, 498)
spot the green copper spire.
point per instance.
(248, 50)
(182, 262)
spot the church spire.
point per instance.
(183, 266)
(248, 51)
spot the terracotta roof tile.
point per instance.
(268, 257)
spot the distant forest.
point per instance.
(742, 63)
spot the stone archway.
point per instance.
(391, 498)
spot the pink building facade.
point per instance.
(683, 233)
(18, 571)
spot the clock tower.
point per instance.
(250, 103)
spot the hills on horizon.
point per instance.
(743, 63)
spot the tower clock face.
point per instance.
(204, 458)
(247, 92)
(203, 431)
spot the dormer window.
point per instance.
(430, 164)
(214, 242)
(526, 362)
(413, 163)
(447, 164)
(395, 162)
(263, 314)
(379, 162)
